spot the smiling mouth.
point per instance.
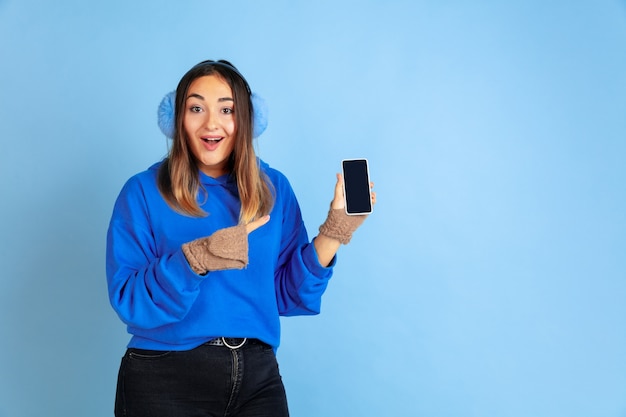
(212, 140)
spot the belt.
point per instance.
(234, 342)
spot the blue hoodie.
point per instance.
(167, 306)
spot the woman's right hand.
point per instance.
(225, 249)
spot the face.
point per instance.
(209, 123)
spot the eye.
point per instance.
(195, 109)
(228, 110)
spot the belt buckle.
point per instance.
(234, 347)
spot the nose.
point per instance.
(211, 120)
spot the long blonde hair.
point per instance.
(179, 180)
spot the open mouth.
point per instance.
(212, 140)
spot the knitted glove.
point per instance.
(225, 249)
(340, 226)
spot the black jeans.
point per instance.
(207, 381)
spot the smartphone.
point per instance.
(356, 186)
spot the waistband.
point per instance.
(235, 342)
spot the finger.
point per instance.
(339, 186)
(338, 202)
(253, 225)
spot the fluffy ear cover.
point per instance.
(259, 115)
(165, 115)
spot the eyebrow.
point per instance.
(198, 96)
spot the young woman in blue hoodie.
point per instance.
(205, 250)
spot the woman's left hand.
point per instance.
(338, 227)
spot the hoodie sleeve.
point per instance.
(147, 289)
(300, 279)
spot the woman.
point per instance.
(205, 250)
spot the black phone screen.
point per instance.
(356, 186)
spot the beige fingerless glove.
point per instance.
(225, 249)
(340, 226)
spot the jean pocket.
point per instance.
(146, 354)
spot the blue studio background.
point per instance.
(491, 279)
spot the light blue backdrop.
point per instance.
(491, 280)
